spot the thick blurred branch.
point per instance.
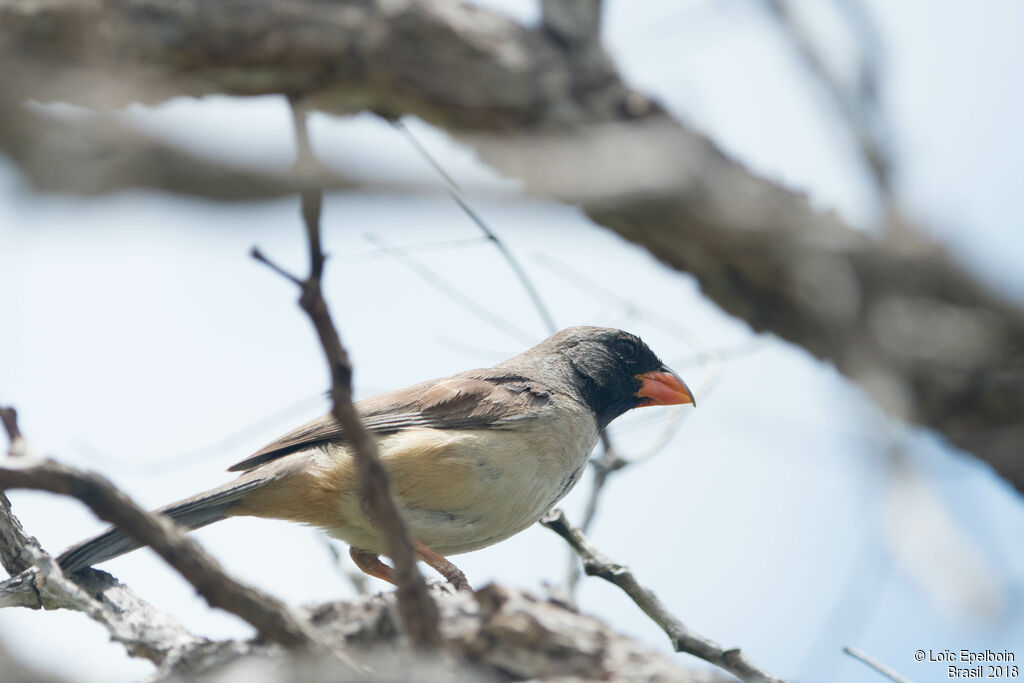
(575, 23)
(96, 155)
(899, 316)
(683, 639)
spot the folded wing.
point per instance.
(478, 399)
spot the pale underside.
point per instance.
(458, 490)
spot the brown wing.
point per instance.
(478, 399)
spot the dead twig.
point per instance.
(875, 664)
(271, 618)
(144, 630)
(456, 194)
(452, 292)
(683, 639)
(417, 609)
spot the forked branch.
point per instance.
(683, 639)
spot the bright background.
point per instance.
(142, 341)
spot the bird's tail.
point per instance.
(192, 513)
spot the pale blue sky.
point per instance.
(139, 330)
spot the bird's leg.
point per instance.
(369, 562)
(442, 566)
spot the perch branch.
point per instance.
(683, 639)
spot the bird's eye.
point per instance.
(626, 349)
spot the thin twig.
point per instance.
(513, 263)
(857, 106)
(417, 609)
(683, 639)
(609, 462)
(593, 288)
(433, 245)
(453, 293)
(203, 454)
(456, 194)
(875, 664)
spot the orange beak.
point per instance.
(663, 388)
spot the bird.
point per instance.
(472, 458)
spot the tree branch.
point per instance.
(419, 613)
(13, 540)
(683, 639)
(576, 23)
(144, 630)
(271, 618)
(95, 155)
